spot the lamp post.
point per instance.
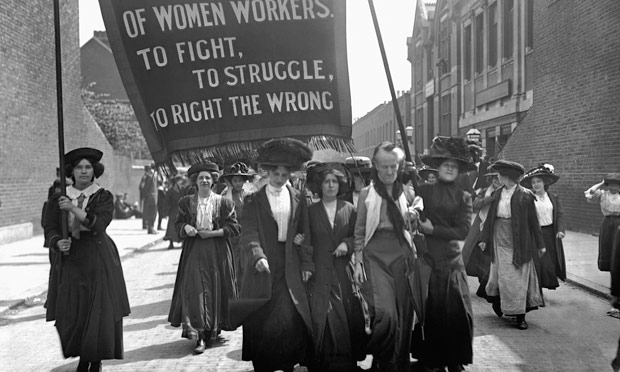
(474, 135)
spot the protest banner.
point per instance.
(215, 78)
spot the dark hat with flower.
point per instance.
(445, 148)
(83, 153)
(315, 171)
(542, 171)
(612, 178)
(237, 169)
(207, 166)
(425, 171)
(287, 152)
(507, 168)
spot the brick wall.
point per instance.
(574, 122)
(28, 113)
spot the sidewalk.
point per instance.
(24, 264)
(581, 251)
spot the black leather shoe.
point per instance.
(456, 368)
(200, 346)
(153, 232)
(521, 323)
(95, 367)
(82, 366)
(497, 308)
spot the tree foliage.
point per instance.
(118, 123)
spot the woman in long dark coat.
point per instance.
(449, 323)
(173, 195)
(87, 296)
(551, 265)
(205, 279)
(512, 236)
(277, 332)
(337, 320)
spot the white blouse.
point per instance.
(330, 208)
(74, 194)
(503, 207)
(208, 209)
(544, 210)
(280, 203)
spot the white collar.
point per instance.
(274, 190)
(74, 193)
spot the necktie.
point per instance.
(75, 230)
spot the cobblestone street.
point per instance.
(571, 334)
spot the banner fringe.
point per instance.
(245, 151)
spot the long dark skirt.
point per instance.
(389, 300)
(608, 239)
(205, 281)
(84, 313)
(449, 325)
(547, 266)
(275, 337)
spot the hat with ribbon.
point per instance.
(542, 171)
(287, 152)
(202, 167)
(315, 171)
(237, 169)
(445, 148)
(361, 164)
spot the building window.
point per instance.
(508, 28)
(419, 67)
(479, 43)
(529, 14)
(492, 35)
(467, 52)
(504, 134)
(490, 145)
(444, 47)
(430, 56)
(444, 106)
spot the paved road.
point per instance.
(571, 334)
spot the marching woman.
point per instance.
(383, 248)
(428, 174)
(87, 296)
(512, 236)
(606, 194)
(173, 195)
(337, 320)
(277, 329)
(205, 278)
(449, 323)
(552, 264)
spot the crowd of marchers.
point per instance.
(366, 257)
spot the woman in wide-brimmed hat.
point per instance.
(205, 281)
(449, 318)
(512, 236)
(476, 262)
(277, 329)
(87, 296)
(552, 264)
(361, 168)
(337, 317)
(428, 174)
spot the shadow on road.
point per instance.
(144, 325)
(149, 310)
(165, 286)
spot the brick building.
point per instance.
(380, 125)
(574, 122)
(471, 68)
(28, 120)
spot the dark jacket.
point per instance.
(527, 237)
(558, 226)
(259, 239)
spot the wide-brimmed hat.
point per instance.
(612, 178)
(444, 148)
(508, 168)
(313, 173)
(361, 164)
(202, 167)
(425, 171)
(287, 152)
(542, 171)
(83, 153)
(491, 174)
(237, 169)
